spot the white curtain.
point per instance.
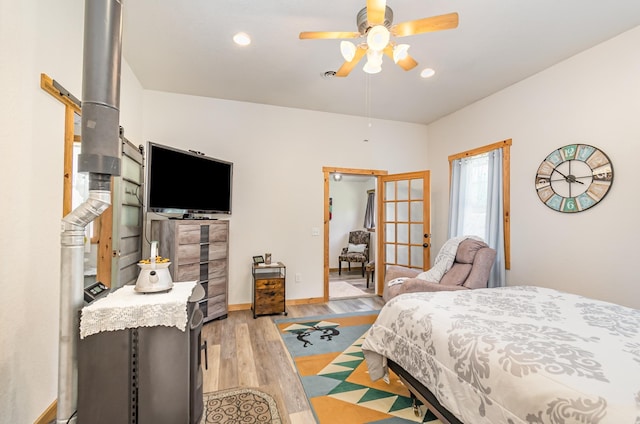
(476, 205)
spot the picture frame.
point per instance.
(258, 260)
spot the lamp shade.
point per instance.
(348, 50)
(378, 37)
(401, 51)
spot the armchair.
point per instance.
(356, 251)
(470, 270)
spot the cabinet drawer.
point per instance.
(269, 302)
(270, 284)
(217, 305)
(202, 271)
(217, 287)
(188, 253)
(218, 232)
(189, 234)
(189, 272)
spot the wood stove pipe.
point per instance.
(101, 157)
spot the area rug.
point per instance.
(328, 356)
(243, 405)
(341, 289)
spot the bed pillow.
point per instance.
(356, 248)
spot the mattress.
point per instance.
(514, 354)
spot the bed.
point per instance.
(512, 355)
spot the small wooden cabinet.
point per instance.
(199, 251)
(269, 283)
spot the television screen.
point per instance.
(187, 182)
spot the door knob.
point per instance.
(425, 245)
(426, 236)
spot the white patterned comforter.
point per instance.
(515, 354)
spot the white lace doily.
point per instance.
(126, 308)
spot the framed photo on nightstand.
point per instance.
(258, 260)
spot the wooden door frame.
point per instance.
(327, 171)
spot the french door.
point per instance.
(404, 207)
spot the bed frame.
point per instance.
(420, 393)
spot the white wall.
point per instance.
(36, 37)
(592, 98)
(278, 155)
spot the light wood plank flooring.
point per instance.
(248, 352)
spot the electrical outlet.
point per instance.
(298, 277)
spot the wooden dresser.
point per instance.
(199, 251)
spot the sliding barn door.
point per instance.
(120, 245)
(405, 222)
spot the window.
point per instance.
(479, 200)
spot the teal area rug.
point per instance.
(328, 356)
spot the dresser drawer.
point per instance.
(270, 284)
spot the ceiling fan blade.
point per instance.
(375, 11)
(419, 26)
(346, 67)
(312, 35)
(407, 63)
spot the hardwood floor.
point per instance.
(248, 352)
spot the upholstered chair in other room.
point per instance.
(356, 251)
(470, 270)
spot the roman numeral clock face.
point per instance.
(574, 178)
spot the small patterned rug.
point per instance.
(328, 355)
(243, 405)
(342, 289)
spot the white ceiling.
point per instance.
(186, 47)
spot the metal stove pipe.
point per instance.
(100, 157)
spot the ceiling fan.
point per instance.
(375, 23)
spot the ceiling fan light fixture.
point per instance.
(378, 37)
(400, 51)
(348, 50)
(370, 68)
(374, 57)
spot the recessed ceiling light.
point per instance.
(427, 73)
(242, 39)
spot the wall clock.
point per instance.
(574, 178)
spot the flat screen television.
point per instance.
(187, 182)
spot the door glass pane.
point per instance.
(390, 233)
(403, 190)
(416, 234)
(131, 170)
(390, 212)
(417, 189)
(416, 256)
(390, 253)
(130, 216)
(403, 233)
(389, 190)
(416, 211)
(403, 255)
(403, 211)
